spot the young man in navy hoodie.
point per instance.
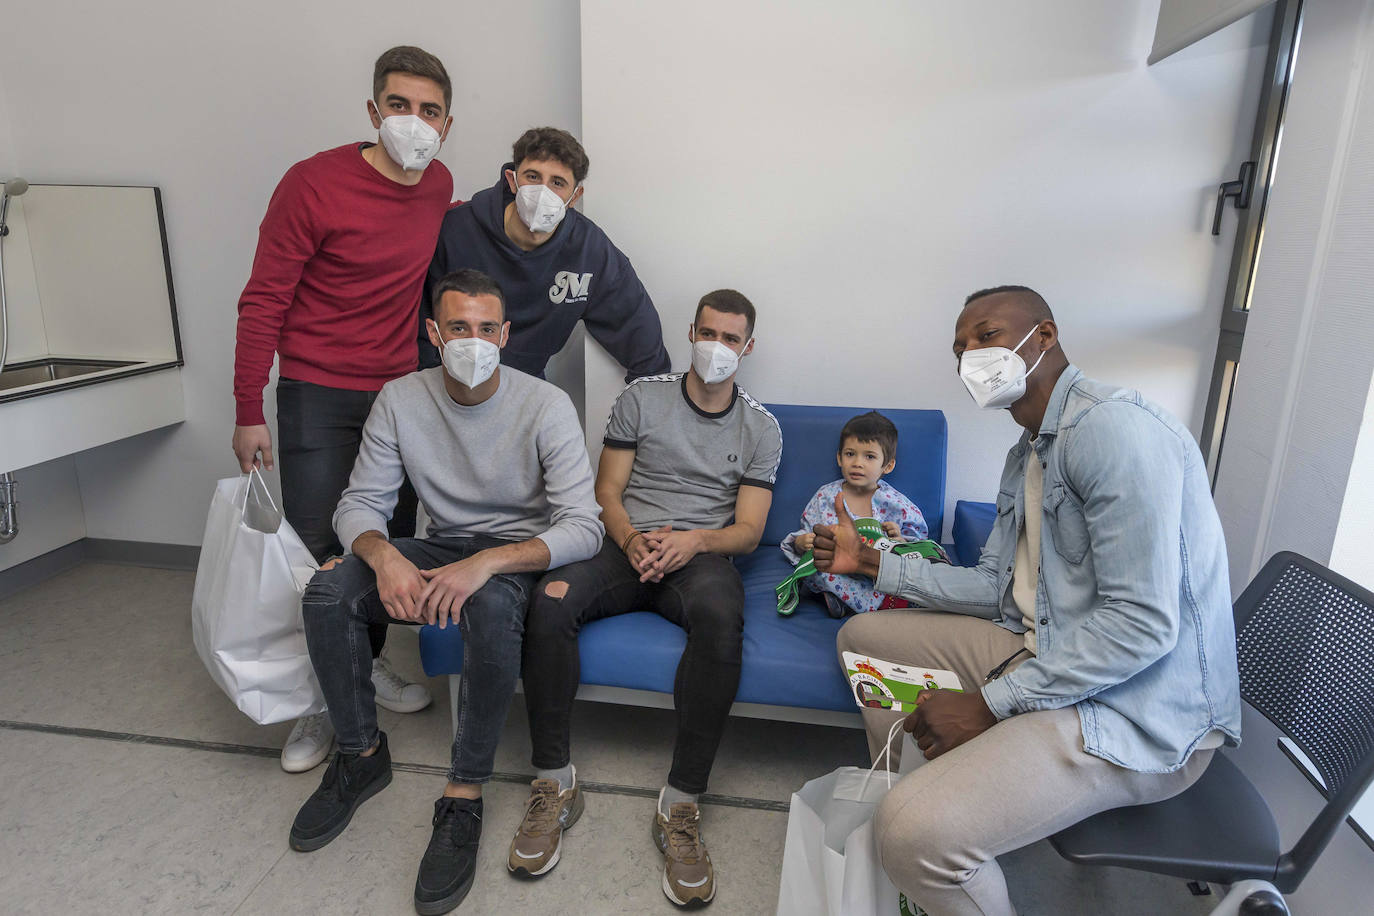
(555, 265)
(336, 280)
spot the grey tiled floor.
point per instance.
(96, 822)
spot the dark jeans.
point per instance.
(319, 431)
(705, 598)
(341, 604)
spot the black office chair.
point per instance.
(1305, 644)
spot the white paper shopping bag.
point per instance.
(246, 608)
(830, 863)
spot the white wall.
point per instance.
(1352, 550)
(856, 170)
(214, 103)
(50, 512)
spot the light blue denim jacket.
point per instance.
(1133, 608)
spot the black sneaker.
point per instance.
(349, 781)
(450, 862)
(834, 606)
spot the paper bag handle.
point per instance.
(884, 757)
(254, 474)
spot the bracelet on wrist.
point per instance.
(625, 546)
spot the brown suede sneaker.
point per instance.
(688, 879)
(535, 848)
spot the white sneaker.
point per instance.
(395, 692)
(308, 744)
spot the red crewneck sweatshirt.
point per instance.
(338, 276)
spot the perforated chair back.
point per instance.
(1305, 648)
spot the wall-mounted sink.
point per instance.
(54, 369)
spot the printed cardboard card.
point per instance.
(879, 684)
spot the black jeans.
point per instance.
(341, 605)
(705, 598)
(319, 431)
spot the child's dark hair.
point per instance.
(872, 427)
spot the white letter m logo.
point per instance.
(569, 287)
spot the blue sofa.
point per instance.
(789, 666)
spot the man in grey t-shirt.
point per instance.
(499, 462)
(685, 481)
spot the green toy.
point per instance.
(870, 529)
(789, 589)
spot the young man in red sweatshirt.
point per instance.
(334, 292)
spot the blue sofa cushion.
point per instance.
(972, 526)
(788, 661)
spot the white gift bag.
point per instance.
(830, 862)
(246, 609)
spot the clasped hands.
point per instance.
(429, 595)
(656, 553)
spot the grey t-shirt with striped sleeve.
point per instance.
(690, 464)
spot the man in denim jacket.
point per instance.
(1094, 640)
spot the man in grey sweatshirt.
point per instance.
(499, 462)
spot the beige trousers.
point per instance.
(941, 828)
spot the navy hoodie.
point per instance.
(576, 275)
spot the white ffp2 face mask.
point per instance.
(996, 376)
(470, 360)
(539, 207)
(409, 141)
(714, 361)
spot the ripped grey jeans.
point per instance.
(338, 605)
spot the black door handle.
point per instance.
(1240, 189)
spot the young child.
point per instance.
(867, 451)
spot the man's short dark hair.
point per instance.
(469, 282)
(1034, 303)
(728, 301)
(871, 427)
(416, 62)
(543, 143)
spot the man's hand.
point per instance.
(840, 550)
(945, 719)
(449, 587)
(638, 550)
(399, 585)
(249, 441)
(671, 551)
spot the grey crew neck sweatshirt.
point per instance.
(514, 466)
